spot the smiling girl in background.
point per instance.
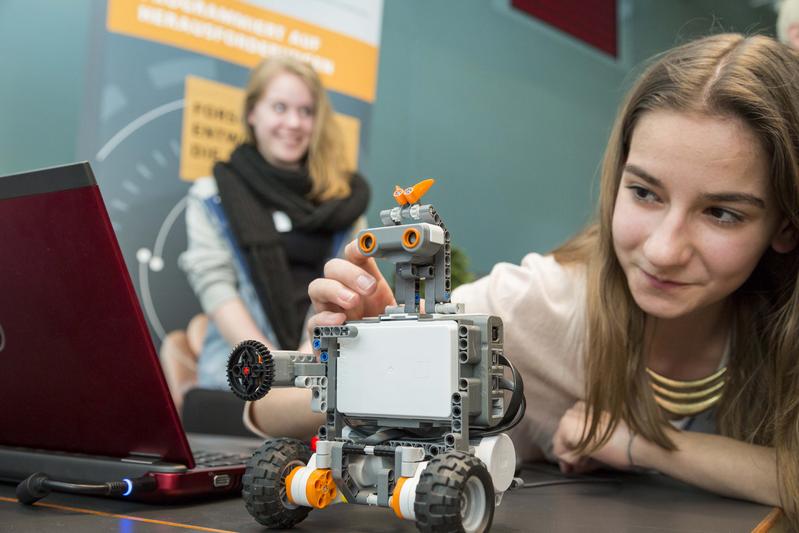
(666, 335)
(263, 226)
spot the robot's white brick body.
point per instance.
(399, 369)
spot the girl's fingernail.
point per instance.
(365, 282)
(346, 295)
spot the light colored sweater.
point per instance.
(542, 305)
(208, 261)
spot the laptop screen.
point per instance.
(78, 371)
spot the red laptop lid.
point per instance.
(78, 371)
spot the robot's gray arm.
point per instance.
(292, 365)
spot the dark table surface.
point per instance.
(635, 502)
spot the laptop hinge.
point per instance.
(142, 458)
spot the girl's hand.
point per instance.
(613, 453)
(353, 288)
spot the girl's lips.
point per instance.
(662, 283)
(292, 143)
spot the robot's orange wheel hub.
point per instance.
(320, 489)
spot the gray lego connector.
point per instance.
(335, 331)
(408, 459)
(290, 365)
(324, 458)
(449, 308)
(318, 386)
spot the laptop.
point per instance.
(83, 398)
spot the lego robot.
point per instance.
(416, 400)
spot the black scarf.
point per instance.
(251, 190)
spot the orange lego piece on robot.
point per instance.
(289, 479)
(367, 242)
(395, 497)
(415, 193)
(411, 238)
(399, 195)
(321, 489)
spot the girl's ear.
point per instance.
(785, 239)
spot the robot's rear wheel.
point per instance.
(455, 493)
(264, 483)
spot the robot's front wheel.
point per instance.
(455, 493)
(264, 489)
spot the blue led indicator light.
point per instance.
(129, 483)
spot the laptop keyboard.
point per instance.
(207, 459)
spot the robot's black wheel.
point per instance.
(264, 483)
(250, 370)
(455, 493)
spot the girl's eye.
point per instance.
(306, 111)
(279, 107)
(642, 194)
(724, 216)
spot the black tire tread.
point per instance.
(261, 483)
(438, 494)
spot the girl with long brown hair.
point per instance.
(665, 336)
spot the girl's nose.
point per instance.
(668, 244)
(293, 118)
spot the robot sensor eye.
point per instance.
(367, 242)
(411, 238)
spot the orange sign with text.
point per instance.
(244, 34)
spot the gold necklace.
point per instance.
(688, 398)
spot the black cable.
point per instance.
(517, 397)
(516, 407)
(506, 384)
(382, 435)
(502, 428)
(569, 481)
(552, 470)
(38, 485)
(544, 468)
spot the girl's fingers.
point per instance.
(368, 264)
(351, 276)
(331, 295)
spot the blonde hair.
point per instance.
(756, 80)
(326, 159)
